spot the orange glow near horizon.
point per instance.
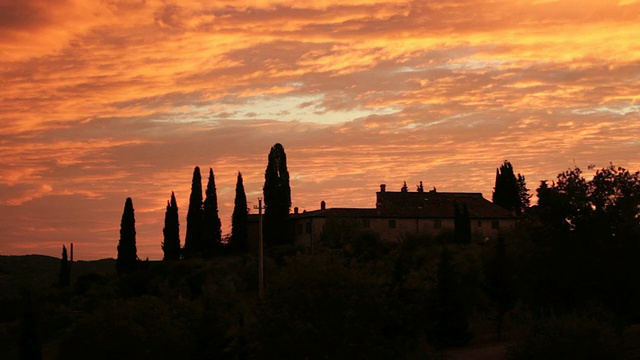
(104, 100)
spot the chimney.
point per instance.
(295, 210)
(383, 187)
(323, 205)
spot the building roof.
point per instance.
(434, 204)
(339, 212)
(430, 204)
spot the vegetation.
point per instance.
(239, 240)
(29, 347)
(510, 191)
(211, 226)
(462, 224)
(171, 231)
(193, 238)
(564, 284)
(64, 277)
(277, 198)
(127, 251)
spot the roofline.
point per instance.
(319, 213)
(449, 193)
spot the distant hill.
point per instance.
(37, 271)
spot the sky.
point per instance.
(104, 100)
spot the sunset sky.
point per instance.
(104, 100)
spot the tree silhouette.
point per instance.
(499, 281)
(462, 224)
(171, 231)
(29, 347)
(277, 197)
(523, 193)
(211, 227)
(239, 220)
(451, 326)
(510, 192)
(193, 239)
(589, 232)
(127, 252)
(64, 278)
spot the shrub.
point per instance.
(568, 337)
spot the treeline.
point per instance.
(563, 284)
(204, 234)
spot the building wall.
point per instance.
(309, 230)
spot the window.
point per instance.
(366, 223)
(307, 228)
(495, 224)
(299, 229)
(437, 224)
(392, 224)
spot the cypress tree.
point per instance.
(29, 347)
(462, 224)
(171, 231)
(499, 280)
(64, 278)
(193, 239)
(510, 192)
(523, 193)
(277, 197)
(211, 231)
(239, 221)
(450, 318)
(127, 252)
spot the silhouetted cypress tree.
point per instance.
(239, 221)
(510, 192)
(211, 230)
(277, 197)
(127, 252)
(29, 347)
(456, 219)
(523, 193)
(462, 224)
(64, 278)
(451, 326)
(171, 231)
(499, 279)
(193, 239)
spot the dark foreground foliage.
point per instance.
(564, 284)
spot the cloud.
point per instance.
(102, 101)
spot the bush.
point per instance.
(567, 337)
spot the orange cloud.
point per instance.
(101, 101)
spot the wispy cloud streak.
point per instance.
(104, 100)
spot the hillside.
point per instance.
(37, 271)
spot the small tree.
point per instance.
(523, 193)
(64, 278)
(29, 347)
(462, 224)
(171, 231)
(193, 239)
(277, 197)
(510, 192)
(211, 227)
(499, 281)
(127, 251)
(239, 220)
(451, 326)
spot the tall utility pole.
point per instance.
(260, 253)
(71, 262)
